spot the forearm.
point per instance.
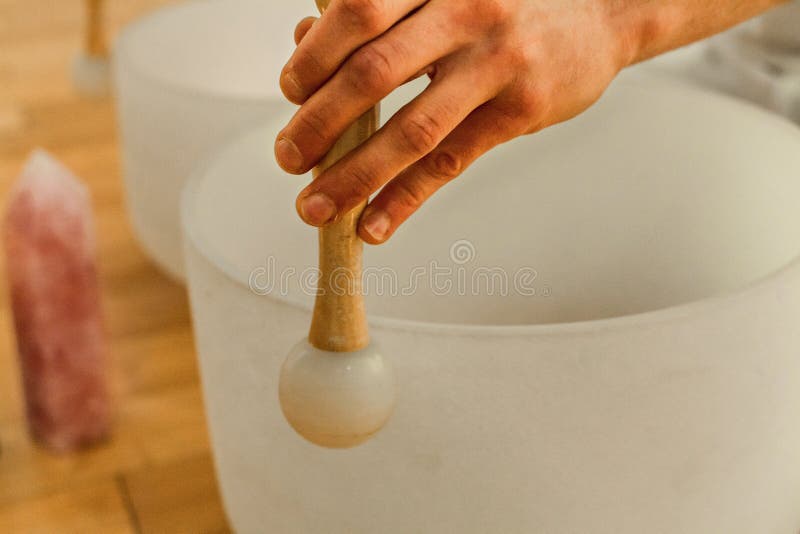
(651, 27)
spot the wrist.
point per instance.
(639, 29)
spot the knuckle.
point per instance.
(443, 166)
(371, 70)
(534, 128)
(367, 15)
(531, 103)
(302, 27)
(508, 117)
(361, 181)
(495, 12)
(306, 62)
(420, 132)
(310, 120)
(517, 54)
(410, 194)
(519, 58)
(528, 105)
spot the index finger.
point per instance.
(341, 30)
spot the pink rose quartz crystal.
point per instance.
(55, 297)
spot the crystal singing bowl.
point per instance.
(187, 78)
(595, 329)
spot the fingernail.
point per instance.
(317, 209)
(376, 224)
(288, 155)
(291, 87)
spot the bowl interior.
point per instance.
(659, 195)
(233, 48)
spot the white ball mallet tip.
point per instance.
(337, 399)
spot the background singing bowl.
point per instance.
(188, 77)
(642, 374)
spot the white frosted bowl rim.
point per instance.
(688, 309)
(121, 51)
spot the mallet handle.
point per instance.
(95, 36)
(339, 323)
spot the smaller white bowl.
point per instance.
(188, 77)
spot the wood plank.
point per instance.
(167, 424)
(10, 381)
(160, 440)
(27, 471)
(151, 428)
(162, 359)
(176, 498)
(94, 508)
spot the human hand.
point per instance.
(499, 69)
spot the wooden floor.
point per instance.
(156, 474)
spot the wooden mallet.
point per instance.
(90, 71)
(336, 388)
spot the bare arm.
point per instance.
(499, 69)
(655, 27)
